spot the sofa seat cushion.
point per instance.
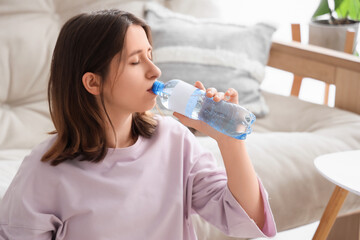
(289, 114)
(283, 147)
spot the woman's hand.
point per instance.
(231, 95)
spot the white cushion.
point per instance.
(26, 43)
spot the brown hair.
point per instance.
(87, 43)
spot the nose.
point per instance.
(153, 71)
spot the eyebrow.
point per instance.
(138, 51)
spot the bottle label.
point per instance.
(180, 97)
(192, 102)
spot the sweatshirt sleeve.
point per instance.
(8, 232)
(20, 220)
(24, 211)
(209, 196)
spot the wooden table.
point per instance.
(342, 169)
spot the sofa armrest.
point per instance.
(333, 67)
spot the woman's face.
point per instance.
(127, 88)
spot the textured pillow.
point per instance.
(219, 54)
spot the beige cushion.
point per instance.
(289, 114)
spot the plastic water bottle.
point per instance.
(228, 118)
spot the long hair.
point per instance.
(87, 43)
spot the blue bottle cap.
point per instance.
(158, 87)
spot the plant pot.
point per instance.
(330, 36)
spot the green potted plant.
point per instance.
(330, 22)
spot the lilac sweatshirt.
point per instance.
(145, 191)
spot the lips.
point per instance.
(150, 89)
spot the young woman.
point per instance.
(114, 171)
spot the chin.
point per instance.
(148, 107)
(152, 105)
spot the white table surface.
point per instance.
(342, 169)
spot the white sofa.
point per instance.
(282, 146)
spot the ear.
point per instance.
(91, 83)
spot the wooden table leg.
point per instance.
(332, 209)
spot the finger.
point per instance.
(199, 85)
(231, 95)
(219, 96)
(210, 92)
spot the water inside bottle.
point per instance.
(230, 119)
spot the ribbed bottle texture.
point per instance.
(228, 118)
